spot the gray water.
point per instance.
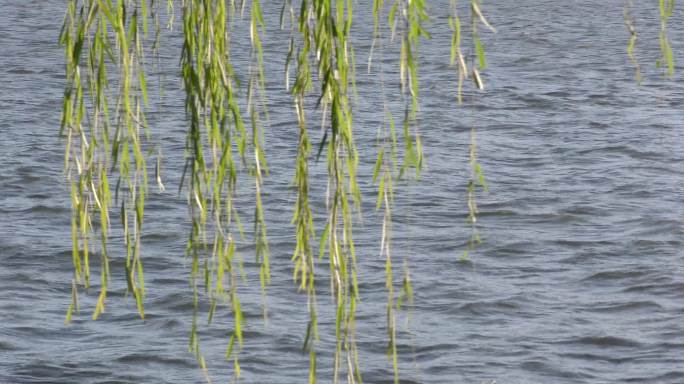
(579, 278)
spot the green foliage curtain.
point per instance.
(109, 149)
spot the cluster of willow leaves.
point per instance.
(108, 45)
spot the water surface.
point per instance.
(579, 278)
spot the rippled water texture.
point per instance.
(579, 278)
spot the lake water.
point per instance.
(580, 278)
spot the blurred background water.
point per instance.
(579, 278)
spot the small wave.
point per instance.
(586, 356)
(651, 306)
(6, 346)
(607, 341)
(615, 275)
(20, 71)
(666, 289)
(623, 149)
(503, 306)
(153, 358)
(668, 377)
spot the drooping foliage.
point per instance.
(109, 148)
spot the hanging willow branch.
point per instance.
(303, 258)
(412, 17)
(325, 27)
(217, 136)
(255, 105)
(105, 132)
(631, 45)
(476, 179)
(667, 58)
